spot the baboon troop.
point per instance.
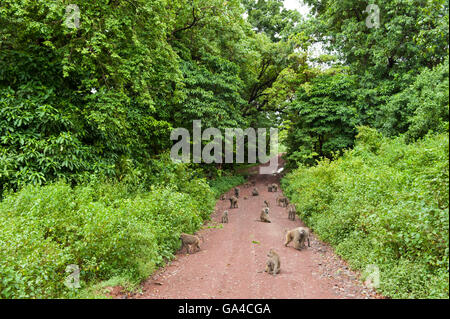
(291, 211)
(233, 202)
(273, 263)
(297, 236)
(264, 216)
(282, 201)
(225, 217)
(188, 241)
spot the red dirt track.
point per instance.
(231, 261)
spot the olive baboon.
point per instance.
(274, 188)
(233, 202)
(273, 263)
(282, 201)
(236, 192)
(298, 237)
(266, 203)
(255, 192)
(269, 188)
(291, 211)
(225, 217)
(222, 197)
(264, 216)
(189, 241)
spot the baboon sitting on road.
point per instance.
(225, 217)
(273, 263)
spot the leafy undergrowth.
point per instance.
(385, 203)
(110, 233)
(223, 184)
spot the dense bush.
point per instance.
(384, 203)
(103, 228)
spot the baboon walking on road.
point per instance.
(291, 211)
(298, 237)
(282, 201)
(264, 216)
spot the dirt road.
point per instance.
(232, 259)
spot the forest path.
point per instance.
(231, 261)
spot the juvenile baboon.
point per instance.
(225, 217)
(233, 202)
(269, 188)
(222, 197)
(236, 192)
(297, 236)
(189, 241)
(291, 211)
(266, 203)
(255, 192)
(273, 263)
(282, 201)
(274, 188)
(264, 216)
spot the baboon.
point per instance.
(189, 240)
(282, 201)
(225, 217)
(273, 263)
(222, 197)
(233, 202)
(236, 192)
(291, 211)
(255, 192)
(266, 203)
(269, 188)
(253, 183)
(264, 216)
(298, 237)
(274, 188)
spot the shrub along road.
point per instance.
(232, 259)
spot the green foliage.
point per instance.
(102, 227)
(420, 108)
(322, 118)
(384, 203)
